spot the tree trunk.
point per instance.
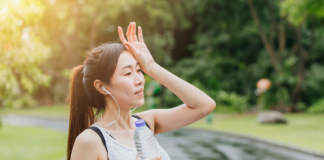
(267, 43)
(302, 55)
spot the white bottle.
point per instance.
(144, 141)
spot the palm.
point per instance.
(137, 47)
(142, 48)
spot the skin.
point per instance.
(125, 83)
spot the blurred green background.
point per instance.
(222, 47)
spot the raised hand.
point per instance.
(136, 46)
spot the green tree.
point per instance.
(299, 11)
(238, 43)
(288, 52)
(21, 53)
(73, 27)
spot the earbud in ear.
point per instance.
(103, 87)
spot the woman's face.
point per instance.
(126, 80)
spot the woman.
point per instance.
(110, 83)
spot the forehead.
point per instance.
(125, 58)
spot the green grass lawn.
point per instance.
(303, 130)
(31, 143)
(60, 111)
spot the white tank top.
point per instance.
(119, 151)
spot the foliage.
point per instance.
(275, 98)
(232, 100)
(317, 107)
(276, 54)
(21, 52)
(73, 27)
(214, 45)
(298, 10)
(207, 76)
(229, 55)
(314, 77)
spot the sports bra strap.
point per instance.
(97, 130)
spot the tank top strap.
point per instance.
(104, 135)
(136, 117)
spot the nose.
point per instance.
(139, 79)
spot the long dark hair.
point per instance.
(84, 99)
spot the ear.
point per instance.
(98, 85)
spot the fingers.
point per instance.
(127, 49)
(158, 157)
(128, 33)
(121, 35)
(131, 47)
(131, 33)
(140, 34)
(134, 32)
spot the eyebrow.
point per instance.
(129, 66)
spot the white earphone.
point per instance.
(103, 87)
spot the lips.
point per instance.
(139, 91)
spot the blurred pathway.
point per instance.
(192, 144)
(52, 123)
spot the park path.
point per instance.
(192, 144)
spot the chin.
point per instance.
(141, 102)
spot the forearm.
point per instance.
(189, 94)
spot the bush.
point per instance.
(233, 101)
(275, 98)
(317, 107)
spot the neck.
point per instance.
(110, 114)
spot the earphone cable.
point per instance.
(118, 110)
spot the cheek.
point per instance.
(124, 85)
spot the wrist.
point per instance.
(150, 68)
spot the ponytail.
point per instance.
(84, 98)
(81, 113)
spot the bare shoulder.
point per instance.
(87, 145)
(89, 138)
(149, 117)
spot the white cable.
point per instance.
(118, 109)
